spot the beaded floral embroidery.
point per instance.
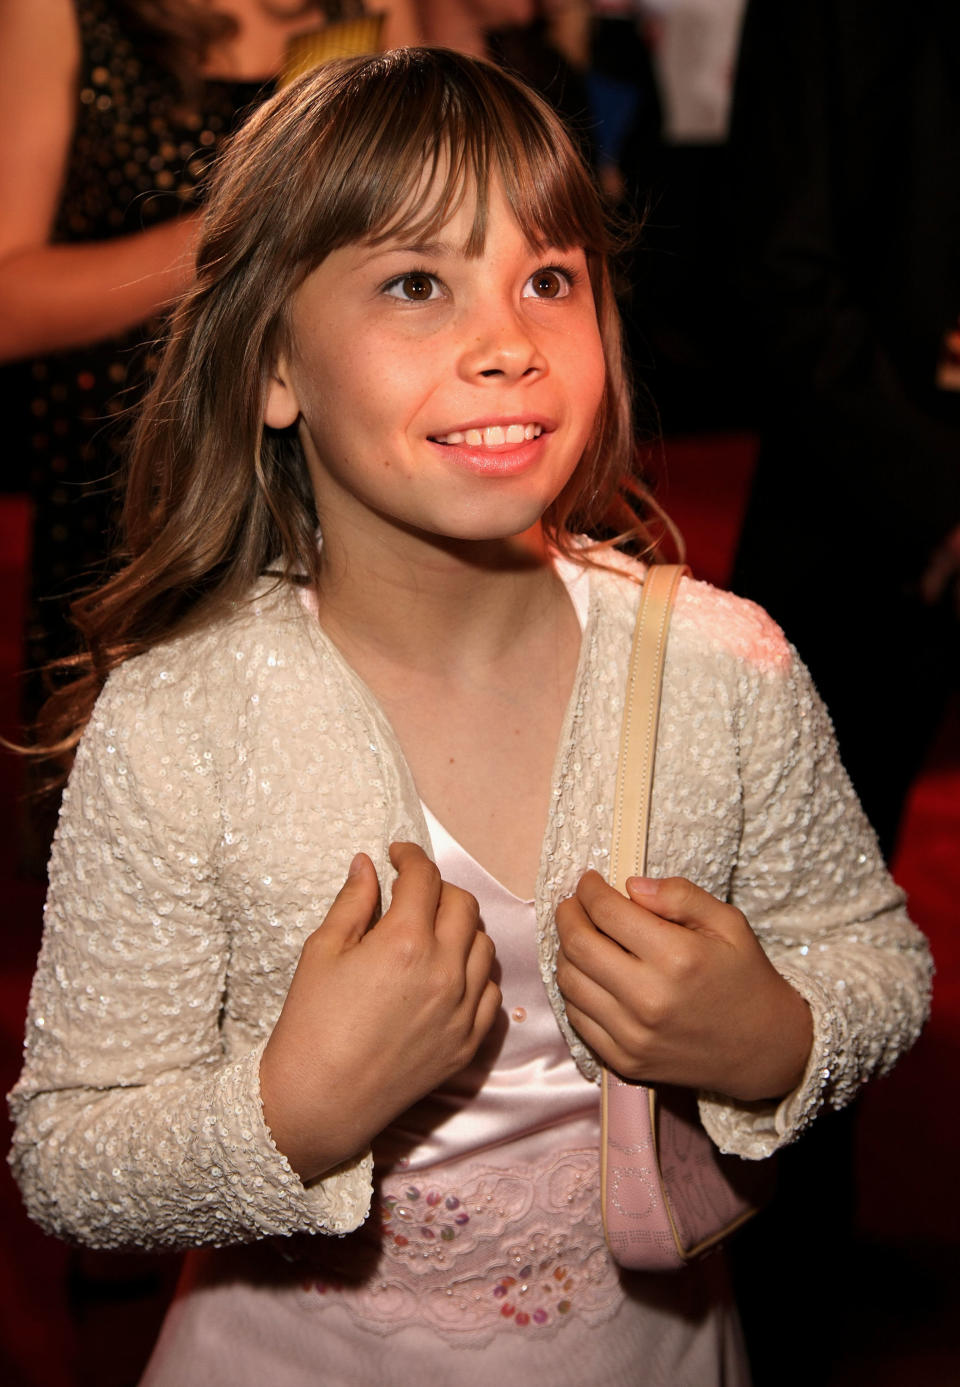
(532, 1297)
(432, 1216)
(521, 1247)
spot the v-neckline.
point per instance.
(435, 828)
(577, 579)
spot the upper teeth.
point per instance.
(492, 435)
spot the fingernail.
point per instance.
(356, 866)
(642, 886)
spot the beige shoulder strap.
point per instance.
(638, 737)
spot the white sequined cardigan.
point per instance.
(220, 790)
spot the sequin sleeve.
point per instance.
(810, 879)
(135, 1124)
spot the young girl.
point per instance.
(253, 974)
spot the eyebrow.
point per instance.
(391, 247)
(430, 249)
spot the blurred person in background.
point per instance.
(466, 24)
(846, 163)
(845, 197)
(674, 174)
(111, 112)
(543, 41)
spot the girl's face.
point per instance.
(438, 392)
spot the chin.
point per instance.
(501, 518)
(484, 531)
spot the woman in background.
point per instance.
(110, 114)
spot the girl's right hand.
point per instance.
(376, 1018)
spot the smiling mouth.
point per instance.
(494, 436)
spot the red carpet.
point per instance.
(909, 1135)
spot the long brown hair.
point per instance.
(213, 497)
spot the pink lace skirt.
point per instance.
(461, 1276)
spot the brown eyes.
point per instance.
(552, 282)
(420, 287)
(547, 284)
(416, 287)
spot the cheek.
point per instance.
(363, 390)
(590, 379)
(599, 379)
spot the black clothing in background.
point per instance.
(845, 165)
(845, 234)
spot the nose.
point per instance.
(500, 346)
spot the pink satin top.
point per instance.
(522, 1082)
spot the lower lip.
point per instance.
(505, 460)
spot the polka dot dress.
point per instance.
(140, 155)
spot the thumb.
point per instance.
(682, 902)
(355, 906)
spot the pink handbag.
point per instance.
(667, 1193)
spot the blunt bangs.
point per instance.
(466, 132)
(375, 149)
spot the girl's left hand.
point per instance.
(671, 985)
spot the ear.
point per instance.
(281, 408)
